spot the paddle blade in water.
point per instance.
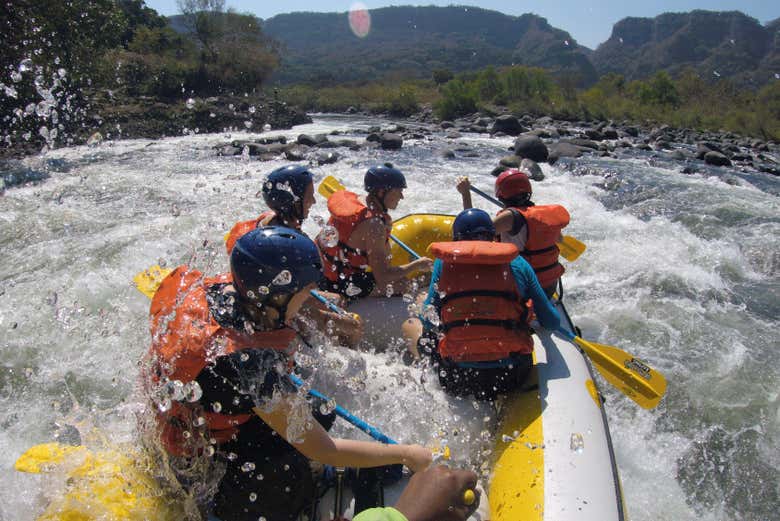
(328, 186)
(632, 376)
(149, 280)
(571, 248)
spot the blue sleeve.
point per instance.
(433, 294)
(528, 286)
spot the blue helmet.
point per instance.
(473, 224)
(284, 187)
(274, 260)
(383, 177)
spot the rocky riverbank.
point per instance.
(537, 139)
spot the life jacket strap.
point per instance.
(539, 252)
(508, 295)
(507, 324)
(545, 268)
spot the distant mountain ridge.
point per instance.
(716, 44)
(413, 41)
(408, 42)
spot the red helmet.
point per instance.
(512, 183)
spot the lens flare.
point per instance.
(359, 19)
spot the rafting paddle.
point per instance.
(632, 376)
(569, 247)
(330, 185)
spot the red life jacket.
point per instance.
(241, 228)
(185, 339)
(483, 315)
(346, 213)
(544, 224)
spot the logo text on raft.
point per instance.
(638, 366)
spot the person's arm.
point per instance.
(463, 187)
(528, 286)
(317, 445)
(374, 237)
(435, 494)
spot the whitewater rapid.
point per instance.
(681, 271)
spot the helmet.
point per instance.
(284, 186)
(473, 224)
(512, 183)
(385, 177)
(274, 260)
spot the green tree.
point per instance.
(442, 76)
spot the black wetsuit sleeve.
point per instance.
(238, 382)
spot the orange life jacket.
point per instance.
(346, 213)
(241, 228)
(483, 316)
(543, 225)
(185, 339)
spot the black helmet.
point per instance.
(285, 186)
(473, 224)
(274, 260)
(383, 177)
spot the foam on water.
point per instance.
(680, 270)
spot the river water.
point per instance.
(681, 270)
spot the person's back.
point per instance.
(481, 289)
(359, 261)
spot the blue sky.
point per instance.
(590, 23)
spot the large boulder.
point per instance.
(531, 168)
(717, 159)
(391, 141)
(531, 147)
(565, 149)
(508, 124)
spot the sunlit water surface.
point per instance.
(680, 270)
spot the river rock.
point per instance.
(296, 153)
(327, 158)
(446, 124)
(448, 154)
(531, 168)
(531, 147)
(510, 161)
(311, 141)
(508, 124)
(716, 158)
(565, 149)
(391, 141)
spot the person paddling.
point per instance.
(218, 372)
(358, 264)
(534, 229)
(289, 193)
(478, 334)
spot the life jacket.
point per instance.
(241, 228)
(346, 213)
(186, 339)
(543, 226)
(483, 316)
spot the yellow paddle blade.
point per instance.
(632, 376)
(42, 457)
(571, 248)
(148, 280)
(329, 185)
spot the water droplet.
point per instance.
(248, 124)
(263, 290)
(232, 456)
(252, 497)
(192, 392)
(244, 357)
(216, 406)
(577, 443)
(16, 77)
(352, 290)
(248, 467)
(328, 407)
(328, 237)
(266, 127)
(252, 109)
(209, 451)
(174, 389)
(25, 65)
(389, 290)
(200, 420)
(190, 103)
(283, 278)
(164, 404)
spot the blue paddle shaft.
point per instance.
(405, 247)
(345, 414)
(331, 306)
(486, 196)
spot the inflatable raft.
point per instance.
(553, 456)
(553, 452)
